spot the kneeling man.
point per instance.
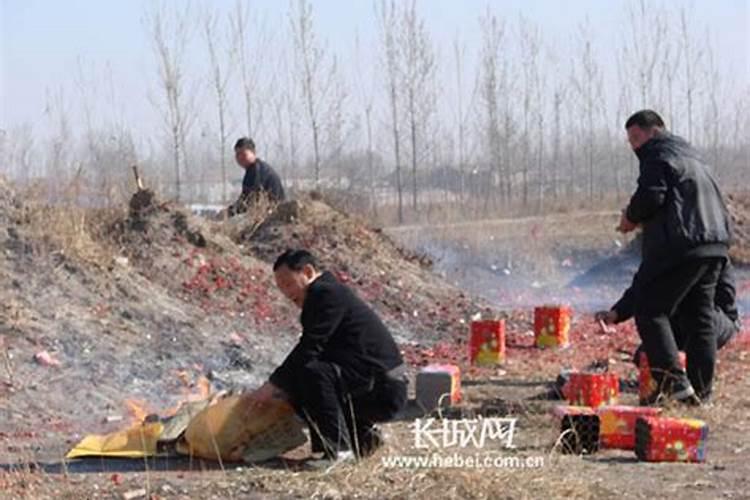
(346, 372)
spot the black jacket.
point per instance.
(679, 205)
(338, 327)
(725, 299)
(261, 178)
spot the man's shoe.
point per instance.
(369, 441)
(679, 390)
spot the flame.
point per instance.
(198, 390)
(138, 411)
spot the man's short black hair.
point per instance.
(245, 143)
(295, 260)
(645, 119)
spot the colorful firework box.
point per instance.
(659, 439)
(552, 326)
(579, 429)
(617, 425)
(646, 383)
(438, 385)
(487, 342)
(592, 389)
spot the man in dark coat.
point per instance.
(686, 237)
(346, 372)
(259, 178)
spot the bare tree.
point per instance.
(365, 84)
(250, 51)
(61, 141)
(558, 98)
(170, 33)
(712, 115)
(461, 112)
(387, 24)
(533, 108)
(491, 77)
(418, 72)
(318, 80)
(692, 55)
(644, 48)
(219, 77)
(587, 83)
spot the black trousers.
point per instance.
(339, 415)
(690, 290)
(724, 327)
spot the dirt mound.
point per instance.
(138, 315)
(417, 304)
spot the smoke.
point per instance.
(510, 277)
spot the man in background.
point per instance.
(260, 179)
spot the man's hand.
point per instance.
(262, 396)
(626, 225)
(608, 317)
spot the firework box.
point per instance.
(592, 389)
(552, 326)
(438, 385)
(617, 425)
(579, 429)
(487, 342)
(646, 383)
(659, 439)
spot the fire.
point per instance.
(197, 390)
(138, 411)
(192, 391)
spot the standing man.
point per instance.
(686, 237)
(259, 178)
(345, 373)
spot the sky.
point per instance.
(42, 42)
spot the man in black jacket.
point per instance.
(685, 245)
(259, 178)
(346, 372)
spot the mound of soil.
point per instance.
(417, 304)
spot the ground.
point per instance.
(149, 303)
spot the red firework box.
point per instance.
(617, 425)
(646, 384)
(438, 385)
(592, 389)
(579, 429)
(487, 342)
(552, 325)
(659, 439)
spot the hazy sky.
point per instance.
(42, 40)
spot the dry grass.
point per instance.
(66, 229)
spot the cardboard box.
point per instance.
(552, 326)
(659, 439)
(592, 389)
(438, 385)
(579, 429)
(487, 342)
(646, 383)
(617, 425)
